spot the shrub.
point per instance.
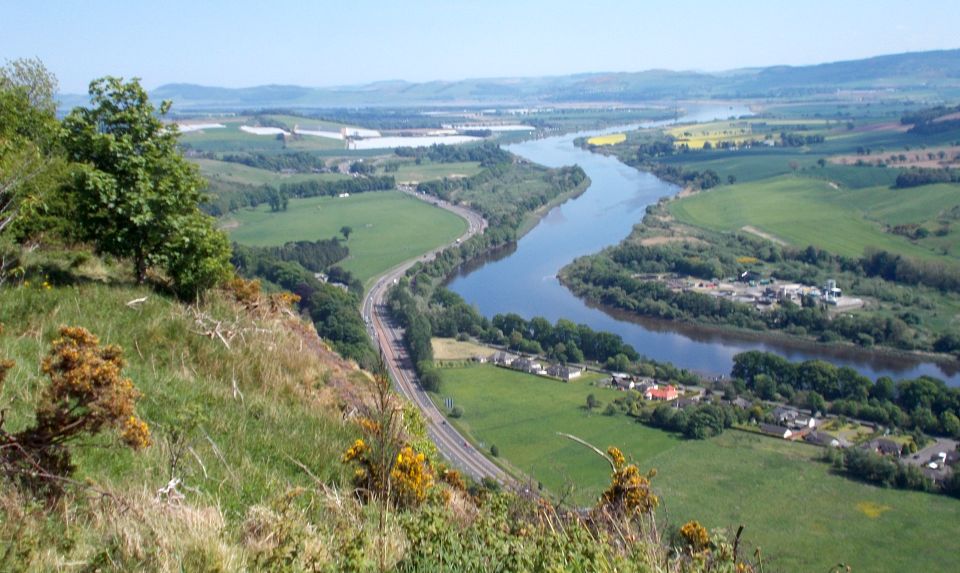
(87, 394)
(629, 492)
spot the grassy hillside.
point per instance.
(804, 517)
(388, 227)
(252, 424)
(237, 418)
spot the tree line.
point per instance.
(925, 404)
(487, 154)
(297, 161)
(915, 177)
(228, 197)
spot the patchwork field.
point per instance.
(695, 136)
(389, 227)
(231, 139)
(802, 516)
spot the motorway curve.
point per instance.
(389, 337)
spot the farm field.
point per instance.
(453, 349)
(802, 516)
(526, 415)
(736, 131)
(389, 227)
(428, 171)
(238, 173)
(611, 139)
(804, 211)
(231, 139)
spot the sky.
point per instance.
(235, 43)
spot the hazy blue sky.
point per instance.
(242, 43)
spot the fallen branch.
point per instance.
(598, 451)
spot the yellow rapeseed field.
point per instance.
(611, 139)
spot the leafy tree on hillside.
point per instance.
(136, 196)
(28, 127)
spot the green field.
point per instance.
(427, 171)
(526, 415)
(389, 227)
(244, 174)
(804, 211)
(802, 516)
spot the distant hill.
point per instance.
(919, 71)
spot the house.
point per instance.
(802, 421)
(826, 440)
(683, 403)
(665, 393)
(741, 403)
(775, 430)
(501, 358)
(884, 447)
(528, 365)
(644, 384)
(622, 381)
(563, 372)
(784, 415)
(479, 359)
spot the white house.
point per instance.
(501, 358)
(527, 365)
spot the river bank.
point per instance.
(892, 357)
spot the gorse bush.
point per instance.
(87, 394)
(630, 492)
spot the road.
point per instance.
(389, 337)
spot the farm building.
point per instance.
(528, 365)
(884, 447)
(826, 440)
(775, 430)
(563, 372)
(501, 358)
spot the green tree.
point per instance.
(430, 381)
(950, 424)
(28, 128)
(592, 402)
(135, 194)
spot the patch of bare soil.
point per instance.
(755, 231)
(653, 241)
(889, 126)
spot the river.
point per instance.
(524, 280)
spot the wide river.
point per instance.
(524, 280)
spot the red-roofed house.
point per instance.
(665, 393)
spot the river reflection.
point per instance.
(522, 278)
